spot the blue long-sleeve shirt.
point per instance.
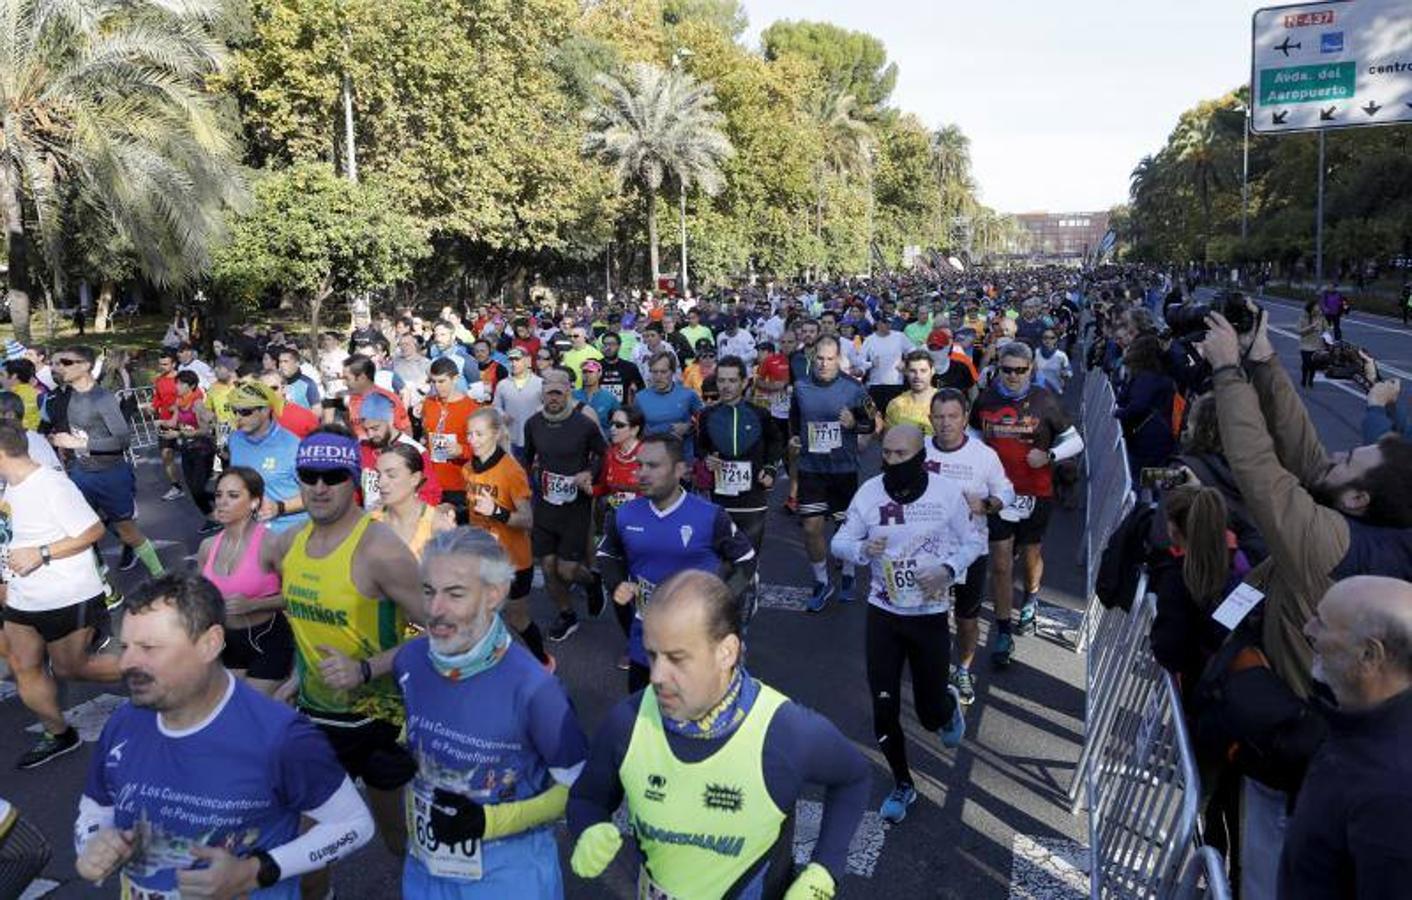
(801, 747)
(1381, 420)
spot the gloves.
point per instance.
(814, 883)
(456, 819)
(596, 848)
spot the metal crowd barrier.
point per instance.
(142, 422)
(1109, 489)
(1143, 788)
(1205, 877)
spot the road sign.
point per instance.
(1339, 64)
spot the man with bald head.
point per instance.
(912, 528)
(711, 762)
(1348, 835)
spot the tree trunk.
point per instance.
(316, 306)
(652, 236)
(102, 318)
(18, 255)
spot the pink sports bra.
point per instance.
(248, 579)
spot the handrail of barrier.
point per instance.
(142, 424)
(1206, 863)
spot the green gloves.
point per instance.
(814, 883)
(598, 845)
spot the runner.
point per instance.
(444, 417)
(594, 396)
(164, 395)
(665, 531)
(193, 426)
(827, 414)
(500, 500)
(259, 646)
(953, 454)
(667, 405)
(152, 809)
(621, 378)
(914, 531)
(743, 448)
(495, 738)
(1028, 428)
(913, 406)
(711, 762)
(86, 420)
(292, 417)
(565, 450)
(260, 444)
(882, 359)
(54, 601)
(350, 585)
(401, 474)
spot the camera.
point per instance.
(1343, 362)
(1162, 479)
(1189, 322)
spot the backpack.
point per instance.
(1120, 566)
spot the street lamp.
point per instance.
(678, 55)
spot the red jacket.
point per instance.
(431, 488)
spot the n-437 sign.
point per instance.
(1339, 64)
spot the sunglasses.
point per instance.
(68, 362)
(245, 410)
(616, 424)
(1014, 370)
(330, 477)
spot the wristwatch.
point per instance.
(269, 874)
(279, 508)
(45, 557)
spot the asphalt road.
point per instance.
(1002, 790)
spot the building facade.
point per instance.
(1062, 237)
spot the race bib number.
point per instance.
(559, 489)
(444, 447)
(903, 589)
(644, 593)
(1019, 509)
(372, 495)
(460, 862)
(615, 389)
(647, 889)
(733, 477)
(825, 437)
(80, 452)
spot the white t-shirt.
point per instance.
(44, 508)
(882, 354)
(41, 452)
(977, 468)
(1050, 373)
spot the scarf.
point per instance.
(724, 717)
(906, 481)
(481, 656)
(1007, 393)
(478, 467)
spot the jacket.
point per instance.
(1348, 834)
(1273, 451)
(1145, 409)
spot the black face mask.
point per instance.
(906, 481)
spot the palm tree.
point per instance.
(656, 124)
(106, 100)
(951, 164)
(1202, 152)
(848, 143)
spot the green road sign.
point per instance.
(1308, 84)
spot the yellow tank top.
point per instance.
(423, 532)
(325, 608)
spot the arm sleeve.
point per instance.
(342, 825)
(597, 792)
(119, 433)
(1376, 423)
(1068, 445)
(819, 754)
(848, 540)
(1287, 422)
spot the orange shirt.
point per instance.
(508, 485)
(446, 442)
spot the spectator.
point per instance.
(1312, 326)
(1145, 405)
(1335, 307)
(1202, 456)
(1347, 836)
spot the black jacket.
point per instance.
(1348, 837)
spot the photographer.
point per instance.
(1383, 415)
(1324, 518)
(1145, 405)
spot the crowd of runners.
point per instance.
(353, 651)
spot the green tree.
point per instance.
(951, 166)
(654, 124)
(108, 98)
(312, 234)
(851, 62)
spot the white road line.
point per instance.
(1048, 869)
(1347, 322)
(90, 716)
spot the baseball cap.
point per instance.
(375, 408)
(251, 395)
(516, 353)
(592, 365)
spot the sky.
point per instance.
(1060, 100)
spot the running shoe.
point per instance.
(127, 559)
(823, 590)
(48, 747)
(965, 684)
(955, 730)
(596, 600)
(174, 493)
(565, 624)
(1028, 617)
(1003, 649)
(894, 808)
(845, 585)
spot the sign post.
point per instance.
(1336, 64)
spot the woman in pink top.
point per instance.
(259, 643)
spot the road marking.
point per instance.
(89, 717)
(1347, 322)
(40, 887)
(1048, 869)
(863, 850)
